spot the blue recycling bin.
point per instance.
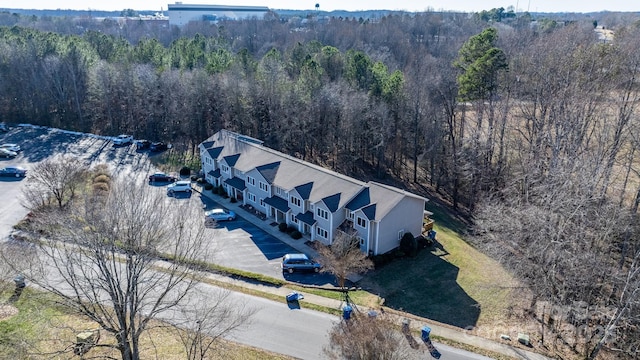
(346, 312)
(426, 331)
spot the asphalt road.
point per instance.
(300, 333)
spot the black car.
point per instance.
(143, 144)
(14, 171)
(161, 177)
(158, 146)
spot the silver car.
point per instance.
(220, 215)
(179, 186)
(11, 147)
(4, 153)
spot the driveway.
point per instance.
(238, 244)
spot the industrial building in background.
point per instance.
(180, 14)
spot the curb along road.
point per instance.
(416, 322)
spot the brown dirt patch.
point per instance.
(7, 311)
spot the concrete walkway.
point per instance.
(415, 322)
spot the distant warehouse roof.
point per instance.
(181, 14)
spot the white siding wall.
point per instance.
(406, 216)
(255, 189)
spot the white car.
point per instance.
(220, 215)
(179, 186)
(122, 140)
(4, 153)
(10, 147)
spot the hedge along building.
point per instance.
(316, 201)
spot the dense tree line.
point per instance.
(532, 130)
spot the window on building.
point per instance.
(224, 168)
(293, 219)
(277, 190)
(296, 201)
(322, 213)
(349, 214)
(400, 234)
(251, 181)
(262, 202)
(263, 186)
(322, 232)
(361, 241)
(252, 197)
(361, 222)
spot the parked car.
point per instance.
(220, 215)
(11, 147)
(179, 186)
(5, 153)
(161, 177)
(159, 146)
(143, 144)
(14, 171)
(299, 262)
(122, 140)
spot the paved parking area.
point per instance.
(246, 243)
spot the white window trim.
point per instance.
(296, 201)
(264, 186)
(364, 221)
(251, 180)
(322, 232)
(252, 197)
(400, 234)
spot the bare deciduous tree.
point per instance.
(102, 259)
(54, 179)
(207, 323)
(367, 338)
(343, 258)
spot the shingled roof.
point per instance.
(312, 182)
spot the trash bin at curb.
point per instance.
(426, 331)
(346, 312)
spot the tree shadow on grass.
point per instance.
(425, 286)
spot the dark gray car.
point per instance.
(14, 171)
(299, 262)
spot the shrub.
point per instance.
(423, 242)
(233, 200)
(100, 186)
(102, 178)
(408, 244)
(290, 229)
(198, 180)
(185, 171)
(296, 234)
(208, 186)
(379, 260)
(282, 227)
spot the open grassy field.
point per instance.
(41, 330)
(450, 282)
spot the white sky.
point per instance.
(351, 5)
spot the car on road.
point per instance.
(11, 147)
(161, 177)
(14, 171)
(179, 186)
(5, 153)
(158, 146)
(143, 144)
(220, 215)
(299, 262)
(122, 140)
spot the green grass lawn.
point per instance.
(450, 282)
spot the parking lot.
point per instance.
(246, 243)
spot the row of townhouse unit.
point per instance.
(317, 201)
